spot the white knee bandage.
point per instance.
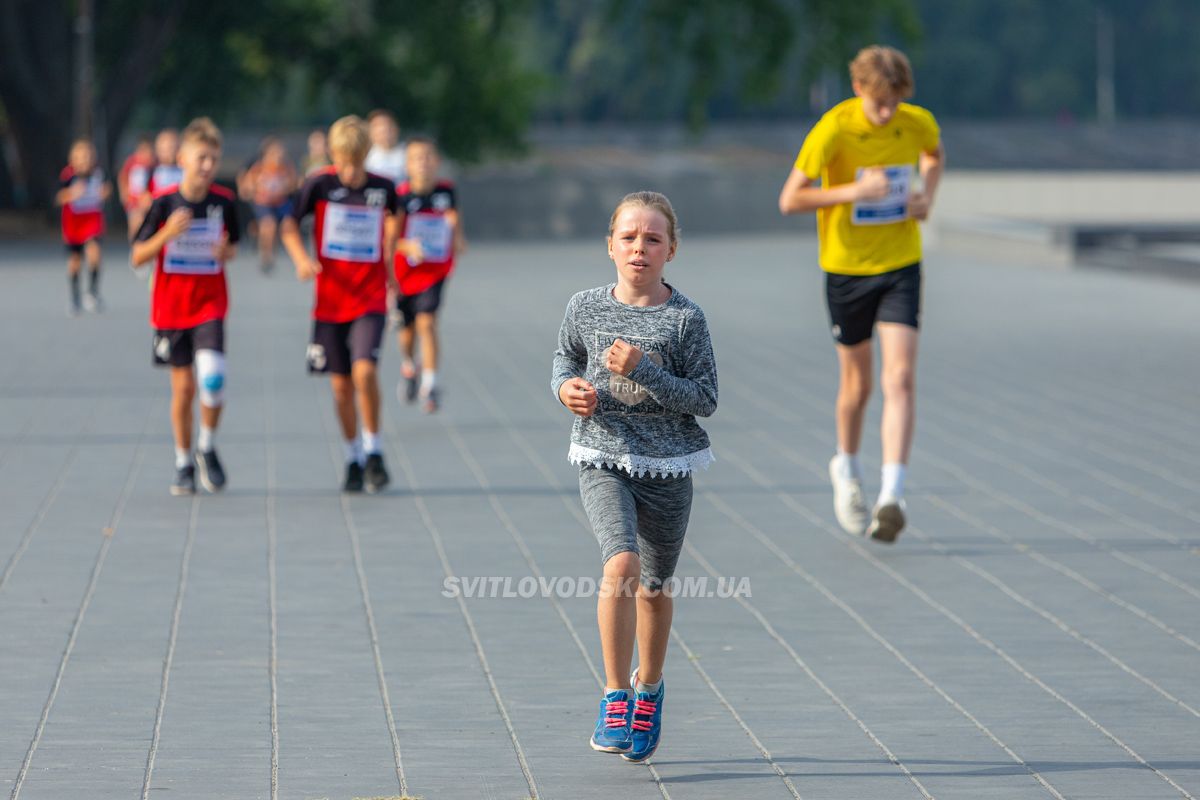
(210, 374)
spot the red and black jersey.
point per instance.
(348, 233)
(189, 280)
(83, 218)
(425, 219)
(135, 176)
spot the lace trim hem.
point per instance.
(642, 466)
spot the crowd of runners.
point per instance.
(634, 361)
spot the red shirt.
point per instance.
(189, 280)
(82, 219)
(135, 177)
(348, 233)
(425, 219)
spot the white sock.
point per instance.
(848, 465)
(205, 442)
(428, 380)
(370, 442)
(892, 483)
(352, 451)
(648, 688)
(183, 457)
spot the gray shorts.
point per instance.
(647, 516)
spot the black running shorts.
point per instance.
(177, 347)
(337, 345)
(427, 302)
(857, 302)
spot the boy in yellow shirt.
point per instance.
(878, 161)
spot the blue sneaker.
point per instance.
(647, 721)
(612, 726)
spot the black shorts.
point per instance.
(77, 249)
(337, 345)
(427, 302)
(857, 302)
(177, 347)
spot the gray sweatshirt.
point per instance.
(644, 423)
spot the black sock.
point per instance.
(74, 279)
(94, 280)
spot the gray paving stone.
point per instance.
(1053, 496)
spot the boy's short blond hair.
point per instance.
(202, 130)
(883, 70)
(349, 137)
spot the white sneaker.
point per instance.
(849, 505)
(887, 520)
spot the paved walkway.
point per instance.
(1035, 633)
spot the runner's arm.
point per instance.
(930, 165)
(460, 238)
(800, 195)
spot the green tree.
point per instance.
(698, 59)
(445, 66)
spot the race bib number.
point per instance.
(194, 253)
(90, 200)
(352, 233)
(433, 232)
(894, 207)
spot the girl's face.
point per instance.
(640, 246)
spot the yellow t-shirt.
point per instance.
(868, 238)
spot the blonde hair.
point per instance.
(646, 199)
(881, 69)
(203, 130)
(348, 136)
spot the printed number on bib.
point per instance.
(433, 232)
(90, 200)
(352, 233)
(893, 207)
(194, 253)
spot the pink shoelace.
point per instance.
(644, 708)
(614, 713)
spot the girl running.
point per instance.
(635, 365)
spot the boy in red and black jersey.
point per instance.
(82, 191)
(190, 232)
(133, 183)
(432, 237)
(354, 232)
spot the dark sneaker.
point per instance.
(354, 477)
(73, 306)
(375, 474)
(431, 400)
(612, 734)
(887, 520)
(646, 723)
(212, 474)
(185, 481)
